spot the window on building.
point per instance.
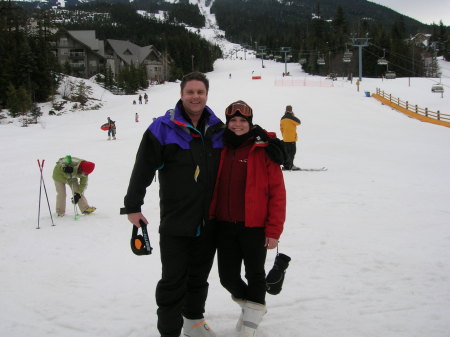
(63, 42)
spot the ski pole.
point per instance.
(41, 168)
(40, 194)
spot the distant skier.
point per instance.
(136, 117)
(288, 127)
(140, 99)
(73, 172)
(146, 98)
(112, 129)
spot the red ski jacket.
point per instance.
(263, 194)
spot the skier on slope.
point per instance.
(288, 127)
(73, 172)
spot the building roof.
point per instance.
(87, 37)
(126, 50)
(130, 52)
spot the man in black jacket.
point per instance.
(184, 146)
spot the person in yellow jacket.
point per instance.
(288, 127)
(73, 172)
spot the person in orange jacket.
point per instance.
(288, 127)
(248, 209)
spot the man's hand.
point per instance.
(271, 243)
(135, 217)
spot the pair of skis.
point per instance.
(314, 169)
(318, 169)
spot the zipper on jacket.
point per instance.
(207, 177)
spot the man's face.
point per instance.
(194, 97)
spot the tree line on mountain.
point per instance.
(187, 50)
(324, 30)
(30, 72)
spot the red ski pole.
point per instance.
(41, 168)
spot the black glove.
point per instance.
(68, 169)
(76, 198)
(275, 151)
(260, 134)
(275, 277)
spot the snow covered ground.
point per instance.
(369, 238)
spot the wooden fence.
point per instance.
(412, 110)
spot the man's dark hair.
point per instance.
(194, 76)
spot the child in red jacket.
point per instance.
(249, 208)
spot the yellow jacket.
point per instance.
(288, 127)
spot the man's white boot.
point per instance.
(241, 303)
(197, 328)
(253, 315)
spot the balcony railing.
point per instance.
(77, 54)
(77, 65)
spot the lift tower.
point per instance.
(360, 42)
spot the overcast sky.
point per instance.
(426, 11)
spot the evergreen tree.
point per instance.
(12, 101)
(18, 101)
(82, 93)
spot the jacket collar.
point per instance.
(177, 117)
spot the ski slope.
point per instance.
(369, 238)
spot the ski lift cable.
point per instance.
(409, 70)
(401, 57)
(397, 55)
(393, 64)
(314, 51)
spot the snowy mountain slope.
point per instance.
(369, 238)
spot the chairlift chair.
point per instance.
(437, 88)
(382, 60)
(346, 59)
(348, 54)
(302, 60)
(321, 61)
(390, 75)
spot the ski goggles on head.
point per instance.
(239, 107)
